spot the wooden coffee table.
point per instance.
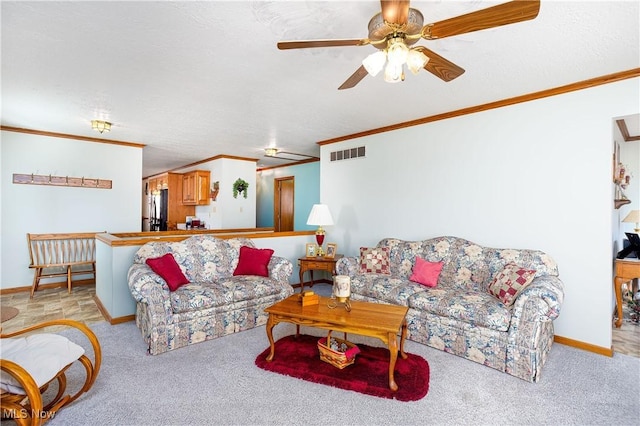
(368, 319)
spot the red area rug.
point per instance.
(299, 357)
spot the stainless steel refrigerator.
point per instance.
(158, 205)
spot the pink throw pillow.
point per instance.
(425, 272)
(167, 267)
(253, 261)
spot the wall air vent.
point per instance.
(347, 154)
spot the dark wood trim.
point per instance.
(191, 232)
(115, 240)
(584, 346)
(206, 160)
(611, 78)
(217, 157)
(297, 163)
(622, 125)
(57, 284)
(120, 320)
(108, 318)
(68, 136)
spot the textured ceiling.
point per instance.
(192, 80)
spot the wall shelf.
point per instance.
(619, 203)
(81, 182)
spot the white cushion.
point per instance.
(42, 355)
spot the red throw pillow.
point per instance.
(253, 261)
(426, 273)
(167, 267)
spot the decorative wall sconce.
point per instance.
(100, 126)
(214, 190)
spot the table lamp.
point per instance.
(321, 216)
(633, 216)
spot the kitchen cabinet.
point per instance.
(177, 212)
(163, 181)
(168, 186)
(195, 188)
(153, 184)
(159, 182)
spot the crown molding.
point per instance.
(69, 136)
(606, 79)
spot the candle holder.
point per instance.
(341, 293)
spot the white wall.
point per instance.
(228, 212)
(44, 209)
(534, 175)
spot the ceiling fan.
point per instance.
(398, 26)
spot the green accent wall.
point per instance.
(306, 193)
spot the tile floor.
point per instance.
(79, 305)
(49, 304)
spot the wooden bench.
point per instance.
(60, 255)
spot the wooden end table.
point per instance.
(317, 263)
(626, 270)
(377, 320)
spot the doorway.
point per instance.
(283, 203)
(626, 166)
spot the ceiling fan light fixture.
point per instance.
(416, 60)
(374, 62)
(393, 73)
(397, 51)
(100, 126)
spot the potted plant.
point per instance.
(240, 186)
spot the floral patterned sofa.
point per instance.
(214, 303)
(459, 315)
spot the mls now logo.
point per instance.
(25, 413)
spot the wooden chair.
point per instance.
(26, 377)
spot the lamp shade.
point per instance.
(374, 62)
(416, 60)
(320, 215)
(633, 216)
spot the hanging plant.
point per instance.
(240, 186)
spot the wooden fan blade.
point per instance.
(502, 14)
(395, 11)
(439, 66)
(303, 44)
(355, 78)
